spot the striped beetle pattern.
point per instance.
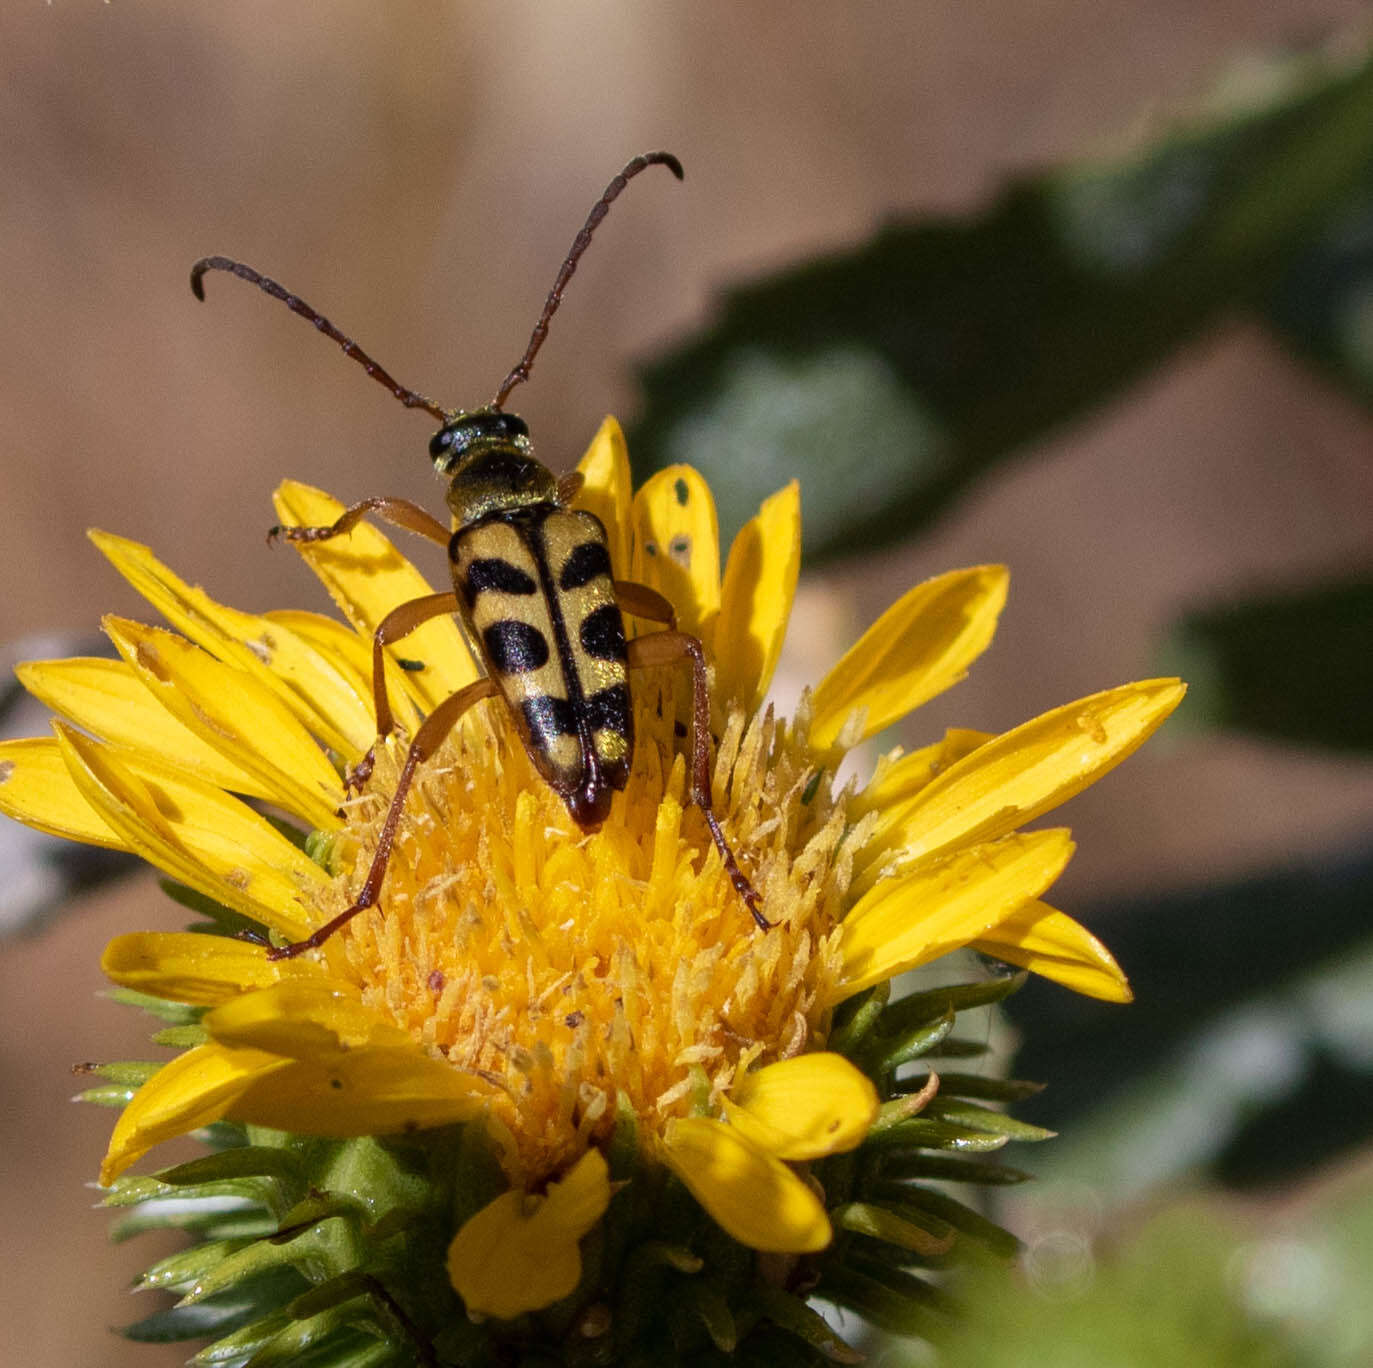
(535, 593)
(533, 590)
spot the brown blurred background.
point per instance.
(416, 171)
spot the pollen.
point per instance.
(583, 973)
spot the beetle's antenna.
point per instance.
(579, 245)
(297, 305)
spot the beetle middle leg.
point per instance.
(642, 602)
(670, 648)
(427, 740)
(399, 622)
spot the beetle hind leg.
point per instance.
(669, 648)
(427, 740)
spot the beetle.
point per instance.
(533, 588)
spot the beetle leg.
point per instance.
(398, 512)
(642, 602)
(569, 486)
(668, 648)
(427, 740)
(397, 623)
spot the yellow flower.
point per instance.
(521, 972)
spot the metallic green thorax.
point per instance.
(489, 459)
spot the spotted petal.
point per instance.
(751, 1195)
(1049, 942)
(521, 1252)
(760, 584)
(920, 646)
(351, 654)
(372, 1090)
(942, 905)
(805, 1107)
(367, 577)
(606, 490)
(677, 546)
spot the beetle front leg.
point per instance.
(398, 512)
(670, 648)
(427, 740)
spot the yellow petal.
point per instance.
(805, 1107)
(677, 546)
(192, 1090)
(303, 1020)
(1049, 942)
(37, 788)
(897, 780)
(195, 832)
(920, 646)
(236, 715)
(760, 583)
(373, 1090)
(107, 699)
(1022, 773)
(351, 654)
(275, 656)
(943, 904)
(521, 1252)
(367, 577)
(606, 493)
(752, 1196)
(201, 970)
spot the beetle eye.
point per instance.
(440, 442)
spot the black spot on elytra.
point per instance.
(585, 564)
(549, 716)
(609, 708)
(515, 647)
(603, 633)
(495, 573)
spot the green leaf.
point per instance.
(974, 1118)
(1295, 666)
(223, 921)
(906, 1198)
(791, 1314)
(179, 1272)
(918, 1163)
(891, 1300)
(246, 1305)
(908, 1229)
(891, 376)
(174, 1013)
(953, 1084)
(925, 1134)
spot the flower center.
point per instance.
(580, 972)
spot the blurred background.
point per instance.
(1083, 288)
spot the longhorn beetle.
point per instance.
(532, 585)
